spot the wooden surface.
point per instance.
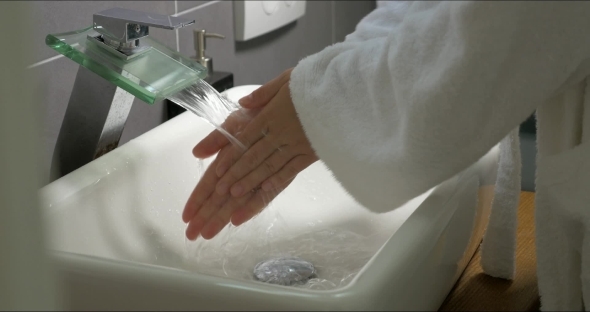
(476, 291)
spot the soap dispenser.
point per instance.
(219, 80)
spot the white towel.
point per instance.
(422, 90)
(562, 212)
(498, 250)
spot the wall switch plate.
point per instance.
(256, 18)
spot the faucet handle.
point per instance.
(124, 25)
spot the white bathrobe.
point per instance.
(421, 90)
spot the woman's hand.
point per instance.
(241, 182)
(236, 122)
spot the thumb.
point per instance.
(265, 93)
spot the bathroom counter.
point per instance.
(476, 291)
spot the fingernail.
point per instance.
(267, 186)
(245, 100)
(238, 218)
(221, 170)
(193, 231)
(236, 190)
(222, 188)
(210, 230)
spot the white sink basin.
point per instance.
(118, 238)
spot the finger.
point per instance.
(267, 168)
(210, 145)
(216, 140)
(220, 219)
(249, 137)
(288, 172)
(265, 93)
(204, 188)
(250, 161)
(208, 209)
(255, 204)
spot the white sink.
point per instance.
(118, 240)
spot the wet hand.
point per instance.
(238, 120)
(277, 149)
(241, 182)
(207, 212)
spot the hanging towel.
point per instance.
(498, 250)
(562, 203)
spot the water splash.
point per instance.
(338, 254)
(204, 101)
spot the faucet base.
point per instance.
(93, 122)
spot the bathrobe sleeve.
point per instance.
(422, 90)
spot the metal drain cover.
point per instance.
(284, 271)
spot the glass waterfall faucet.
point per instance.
(118, 62)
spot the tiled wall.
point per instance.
(252, 62)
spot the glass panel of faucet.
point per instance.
(151, 72)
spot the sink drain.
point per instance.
(284, 271)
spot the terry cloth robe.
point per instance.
(421, 90)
